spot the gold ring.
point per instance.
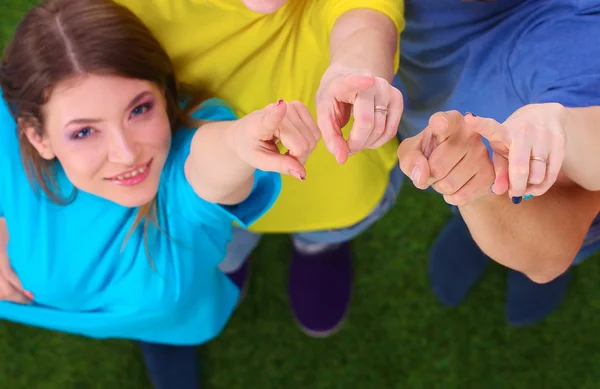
(541, 159)
(382, 109)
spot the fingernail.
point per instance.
(527, 197)
(415, 174)
(471, 113)
(517, 200)
(28, 294)
(338, 155)
(279, 102)
(492, 189)
(297, 175)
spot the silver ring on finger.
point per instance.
(382, 109)
(540, 159)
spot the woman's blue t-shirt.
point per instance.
(86, 282)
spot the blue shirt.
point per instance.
(491, 58)
(85, 282)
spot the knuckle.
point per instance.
(320, 94)
(305, 146)
(522, 130)
(365, 120)
(305, 149)
(536, 179)
(460, 199)
(396, 92)
(436, 169)
(378, 131)
(453, 117)
(446, 186)
(296, 106)
(434, 117)
(404, 163)
(519, 169)
(404, 168)
(299, 149)
(317, 134)
(450, 199)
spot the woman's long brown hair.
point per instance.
(61, 39)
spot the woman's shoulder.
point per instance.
(214, 109)
(210, 110)
(9, 143)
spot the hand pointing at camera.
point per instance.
(375, 104)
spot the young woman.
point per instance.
(117, 210)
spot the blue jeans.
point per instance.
(243, 242)
(171, 366)
(591, 244)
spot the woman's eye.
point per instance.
(141, 109)
(83, 133)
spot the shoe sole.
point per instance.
(327, 333)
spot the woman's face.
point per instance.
(110, 134)
(264, 6)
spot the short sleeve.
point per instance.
(9, 150)
(558, 59)
(178, 196)
(393, 9)
(265, 191)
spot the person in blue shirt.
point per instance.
(534, 66)
(115, 207)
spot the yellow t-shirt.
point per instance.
(251, 60)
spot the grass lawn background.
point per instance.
(397, 335)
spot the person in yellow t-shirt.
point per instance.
(336, 56)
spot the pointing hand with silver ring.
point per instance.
(530, 145)
(375, 105)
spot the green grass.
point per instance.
(396, 336)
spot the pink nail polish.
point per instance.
(297, 175)
(279, 102)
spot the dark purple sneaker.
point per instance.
(240, 278)
(320, 289)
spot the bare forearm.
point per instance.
(214, 170)
(582, 159)
(367, 40)
(539, 237)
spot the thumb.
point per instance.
(345, 88)
(280, 163)
(413, 162)
(18, 297)
(487, 128)
(443, 124)
(273, 115)
(501, 183)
